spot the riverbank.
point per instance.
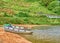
(27, 25)
(7, 37)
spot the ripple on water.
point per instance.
(52, 33)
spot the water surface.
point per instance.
(44, 34)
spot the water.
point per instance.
(44, 34)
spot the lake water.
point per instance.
(44, 34)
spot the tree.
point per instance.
(45, 2)
(53, 4)
(55, 7)
(56, 10)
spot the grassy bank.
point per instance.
(29, 20)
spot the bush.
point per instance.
(55, 7)
(45, 2)
(56, 10)
(4, 14)
(31, 0)
(7, 15)
(53, 4)
(22, 14)
(28, 20)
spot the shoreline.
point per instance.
(27, 25)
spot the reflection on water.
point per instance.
(45, 34)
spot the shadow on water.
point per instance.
(44, 34)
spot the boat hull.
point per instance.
(19, 31)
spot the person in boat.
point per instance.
(7, 25)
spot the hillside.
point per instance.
(15, 6)
(23, 11)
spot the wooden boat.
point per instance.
(17, 29)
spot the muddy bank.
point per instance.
(6, 37)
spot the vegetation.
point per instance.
(55, 7)
(29, 20)
(29, 11)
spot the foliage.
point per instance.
(31, 0)
(7, 15)
(29, 20)
(45, 2)
(26, 7)
(56, 10)
(53, 4)
(28, 11)
(22, 14)
(55, 7)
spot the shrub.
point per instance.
(31, 0)
(53, 4)
(7, 15)
(45, 2)
(28, 20)
(22, 14)
(55, 7)
(56, 10)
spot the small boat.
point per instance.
(17, 29)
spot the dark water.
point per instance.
(44, 34)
